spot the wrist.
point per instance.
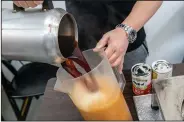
(130, 32)
(126, 23)
(123, 32)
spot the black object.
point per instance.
(47, 5)
(2, 118)
(28, 82)
(155, 107)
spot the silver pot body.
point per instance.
(32, 35)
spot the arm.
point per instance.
(117, 39)
(141, 13)
(27, 4)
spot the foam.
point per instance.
(86, 100)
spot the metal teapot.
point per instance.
(32, 35)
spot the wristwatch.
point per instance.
(132, 33)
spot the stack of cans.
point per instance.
(142, 75)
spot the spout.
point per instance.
(64, 81)
(59, 87)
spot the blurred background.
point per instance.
(165, 38)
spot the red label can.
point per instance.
(141, 79)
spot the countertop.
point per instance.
(170, 94)
(58, 106)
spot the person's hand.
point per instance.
(117, 44)
(27, 4)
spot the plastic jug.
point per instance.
(108, 102)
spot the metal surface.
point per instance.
(144, 110)
(162, 67)
(172, 90)
(141, 78)
(141, 69)
(32, 35)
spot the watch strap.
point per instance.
(128, 30)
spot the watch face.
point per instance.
(133, 35)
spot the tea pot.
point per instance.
(32, 34)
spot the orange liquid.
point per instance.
(106, 104)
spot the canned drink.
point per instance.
(141, 78)
(161, 69)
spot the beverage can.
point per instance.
(141, 78)
(161, 69)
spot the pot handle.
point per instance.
(46, 5)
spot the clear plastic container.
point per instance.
(107, 103)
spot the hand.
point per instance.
(117, 44)
(27, 4)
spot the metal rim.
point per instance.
(133, 67)
(166, 62)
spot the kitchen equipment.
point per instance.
(143, 109)
(169, 89)
(160, 69)
(107, 103)
(32, 34)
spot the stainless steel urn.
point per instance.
(32, 34)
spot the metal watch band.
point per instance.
(128, 30)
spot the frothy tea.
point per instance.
(107, 103)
